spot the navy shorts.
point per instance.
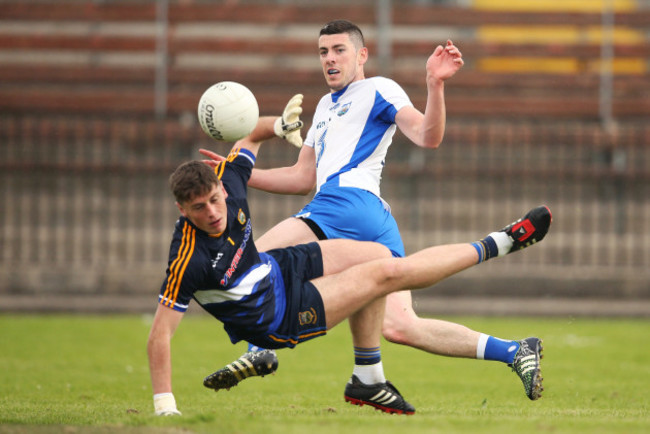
(304, 317)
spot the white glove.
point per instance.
(289, 124)
(164, 404)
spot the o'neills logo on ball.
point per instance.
(208, 120)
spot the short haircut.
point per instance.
(192, 179)
(337, 27)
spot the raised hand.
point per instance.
(289, 124)
(444, 62)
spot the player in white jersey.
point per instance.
(343, 158)
(350, 135)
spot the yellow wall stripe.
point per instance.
(564, 65)
(567, 34)
(555, 5)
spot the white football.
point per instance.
(228, 111)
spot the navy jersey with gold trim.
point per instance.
(225, 274)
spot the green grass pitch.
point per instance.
(63, 373)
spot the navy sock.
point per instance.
(367, 356)
(487, 248)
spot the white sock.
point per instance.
(370, 374)
(503, 242)
(480, 348)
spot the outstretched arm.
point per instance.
(164, 325)
(427, 130)
(297, 179)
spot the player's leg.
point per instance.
(445, 338)
(424, 268)
(401, 323)
(427, 267)
(368, 384)
(381, 277)
(365, 324)
(357, 289)
(403, 326)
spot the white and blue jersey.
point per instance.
(350, 133)
(264, 298)
(352, 130)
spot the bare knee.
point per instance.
(390, 274)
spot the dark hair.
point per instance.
(337, 27)
(192, 179)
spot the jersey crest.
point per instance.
(308, 317)
(344, 109)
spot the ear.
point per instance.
(181, 209)
(225, 193)
(362, 56)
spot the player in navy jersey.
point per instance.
(343, 157)
(283, 297)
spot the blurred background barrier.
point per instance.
(98, 106)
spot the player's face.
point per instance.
(342, 63)
(208, 212)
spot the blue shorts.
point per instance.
(354, 214)
(304, 317)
